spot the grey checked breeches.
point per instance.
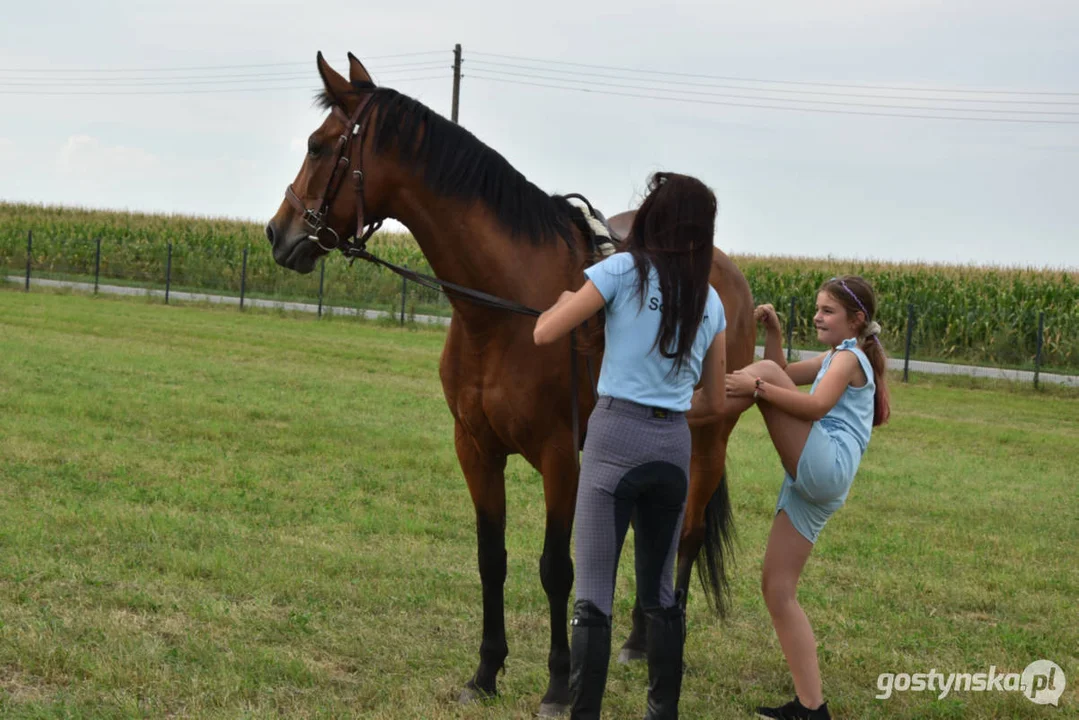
(635, 465)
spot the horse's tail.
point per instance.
(718, 549)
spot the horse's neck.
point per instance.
(465, 244)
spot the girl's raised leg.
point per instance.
(789, 434)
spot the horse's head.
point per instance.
(326, 202)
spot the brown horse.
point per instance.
(481, 224)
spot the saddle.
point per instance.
(609, 232)
(620, 225)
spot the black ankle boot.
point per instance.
(666, 638)
(590, 652)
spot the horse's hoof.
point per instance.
(552, 710)
(629, 655)
(471, 695)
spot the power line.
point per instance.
(492, 66)
(308, 87)
(777, 82)
(778, 107)
(203, 67)
(422, 65)
(503, 73)
(195, 79)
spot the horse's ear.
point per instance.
(336, 86)
(357, 73)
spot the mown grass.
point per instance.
(207, 513)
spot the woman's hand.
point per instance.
(571, 310)
(766, 315)
(740, 384)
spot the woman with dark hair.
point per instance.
(664, 333)
(821, 438)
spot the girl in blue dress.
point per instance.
(820, 438)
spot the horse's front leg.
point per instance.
(556, 571)
(486, 479)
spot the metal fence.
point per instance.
(1016, 353)
(175, 272)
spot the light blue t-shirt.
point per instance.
(632, 368)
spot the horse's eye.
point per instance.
(313, 148)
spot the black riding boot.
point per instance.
(665, 640)
(590, 652)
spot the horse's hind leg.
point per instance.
(487, 485)
(707, 473)
(556, 572)
(634, 647)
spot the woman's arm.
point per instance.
(572, 309)
(708, 401)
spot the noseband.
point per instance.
(316, 220)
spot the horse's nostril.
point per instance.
(270, 232)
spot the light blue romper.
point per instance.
(832, 452)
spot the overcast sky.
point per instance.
(789, 182)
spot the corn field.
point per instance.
(207, 256)
(963, 313)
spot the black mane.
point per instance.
(456, 163)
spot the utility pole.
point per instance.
(456, 80)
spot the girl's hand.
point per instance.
(740, 384)
(766, 316)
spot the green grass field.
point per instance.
(214, 514)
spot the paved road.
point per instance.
(938, 368)
(920, 366)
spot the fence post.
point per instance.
(97, 264)
(910, 333)
(29, 251)
(790, 328)
(404, 292)
(168, 275)
(243, 278)
(1038, 353)
(321, 281)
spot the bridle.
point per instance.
(316, 220)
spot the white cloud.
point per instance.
(298, 144)
(83, 154)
